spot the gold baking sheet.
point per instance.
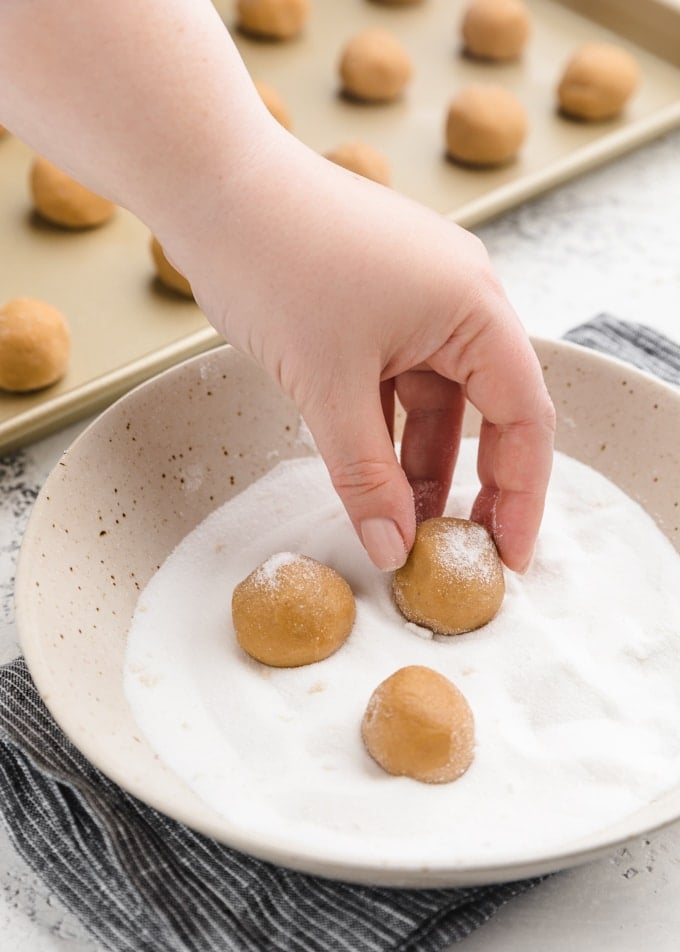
(125, 328)
(411, 132)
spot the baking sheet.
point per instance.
(126, 328)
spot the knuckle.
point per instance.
(360, 478)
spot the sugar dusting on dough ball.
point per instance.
(398, 3)
(275, 103)
(363, 159)
(272, 19)
(61, 200)
(453, 580)
(597, 82)
(374, 66)
(418, 724)
(495, 29)
(35, 345)
(486, 125)
(167, 273)
(292, 610)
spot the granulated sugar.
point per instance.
(267, 573)
(467, 552)
(575, 685)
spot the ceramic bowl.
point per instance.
(151, 467)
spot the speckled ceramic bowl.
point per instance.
(158, 461)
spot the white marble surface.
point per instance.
(609, 241)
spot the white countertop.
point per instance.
(607, 242)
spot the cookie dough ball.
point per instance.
(485, 126)
(418, 724)
(167, 273)
(63, 201)
(495, 29)
(35, 345)
(273, 100)
(292, 610)
(597, 82)
(272, 19)
(363, 159)
(452, 581)
(374, 67)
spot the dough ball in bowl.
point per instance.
(418, 724)
(597, 82)
(35, 345)
(292, 610)
(363, 159)
(495, 29)
(374, 66)
(486, 125)
(166, 272)
(453, 580)
(61, 200)
(272, 19)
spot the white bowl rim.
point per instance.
(665, 811)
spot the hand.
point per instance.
(345, 292)
(349, 295)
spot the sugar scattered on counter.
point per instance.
(574, 684)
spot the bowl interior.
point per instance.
(161, 459)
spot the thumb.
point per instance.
(355, 444)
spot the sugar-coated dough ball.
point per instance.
(168, 273)
(35, 345)
(452, 581)
(495, 29)
(485, 125)
(374, 66)
(63, 201)
(597, 82)
(418, 724)
(272, 19)
(274, 102)
(363, 159)
(292, 610)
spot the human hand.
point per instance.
(350, 295)
(345, 292)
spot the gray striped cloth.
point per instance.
(141, 882)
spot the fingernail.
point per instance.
(527, 565)
(384, 543)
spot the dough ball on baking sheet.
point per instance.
(486, 125)
(275, 103)
(62, 201)
(35, 345)
(374, 66)
(363, 159)
(272, 19)
(495, 29)
(167, 273)
(597, 82)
